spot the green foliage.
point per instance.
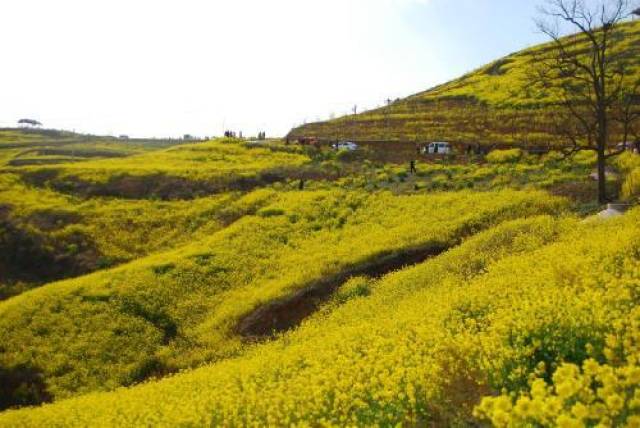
(359, 286)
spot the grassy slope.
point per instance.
(422, 345)
(494, 104)
(179, 309)
(47, 235)
(212, 159)
(186, 171)
(44, 229)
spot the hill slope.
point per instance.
(493, 105)
(71, 204)
(422, 346)
(181, 308)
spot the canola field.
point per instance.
(426, 344)
(178, 309)
(340, 293)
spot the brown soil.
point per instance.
(288, 312)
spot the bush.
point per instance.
(358, 286)
(631, 185)
(627, 162)
(629, 166)
(505, 156)
(271, 212)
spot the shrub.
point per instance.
(627, 162)
(629, 165)
(358, 286)
(271, 212)
(505, 156)
(631, 185)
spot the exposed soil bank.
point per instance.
(288, 312)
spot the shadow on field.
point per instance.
(31, 255)
(22, 385)
(166, 187)
(288, 312)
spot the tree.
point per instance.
(627, 115)
(588, 74)
(30, 122)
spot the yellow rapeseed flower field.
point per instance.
(497, 313)
(179, 309)
(374, 298)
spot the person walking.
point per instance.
(412, 167)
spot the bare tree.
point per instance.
(627, 115)
(588, 73)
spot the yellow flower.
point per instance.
(503, 403)
(523, 407)
(500, 418)
(539, 388)
(565, 421)
(590, 367)
(633, 376)
(633, 422)
(580, 411)
(615, 402)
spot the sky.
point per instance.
(156, 68)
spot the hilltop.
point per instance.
(496, 105)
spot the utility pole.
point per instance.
(353, 127)
(387, 112)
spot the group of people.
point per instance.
(232, 134)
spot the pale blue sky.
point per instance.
(165, 68)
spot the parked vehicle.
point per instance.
(345, 145)
(437, 148)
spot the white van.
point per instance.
(437, 148)
(346, 145)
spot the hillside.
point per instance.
(495, 105)
(423, 344)
(109, 202)
(56, 223)
(271, 284)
